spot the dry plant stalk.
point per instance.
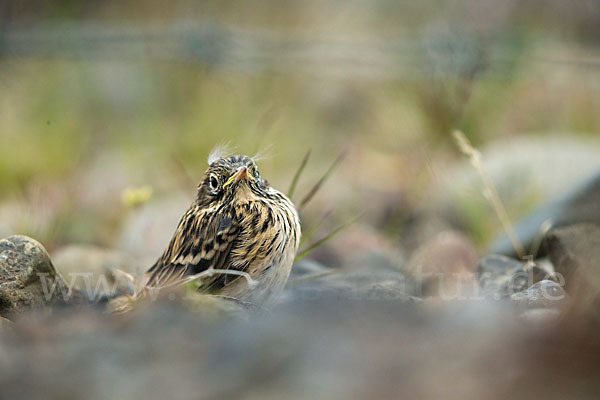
(205, 274)
(489, 189)
(537, 243)
(127, 302)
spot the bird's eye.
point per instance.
(213, 182)
(253, 171)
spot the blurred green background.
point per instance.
(101, 97)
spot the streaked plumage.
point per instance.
(237, 222)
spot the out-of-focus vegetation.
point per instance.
(86, 114)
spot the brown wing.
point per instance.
(203, 239)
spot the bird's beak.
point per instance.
(241, 173)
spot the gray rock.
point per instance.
(500, 276)
(544, 294)
(575, 253)
(580, 204)
(28, 279)
(375, 281)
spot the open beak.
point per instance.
(241, 173)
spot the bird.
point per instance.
(239, 236)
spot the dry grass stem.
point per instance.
(489, 191)
(205, 274)
(537, 243)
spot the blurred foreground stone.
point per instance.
(329, 348)
(28, 279)
(575, 253)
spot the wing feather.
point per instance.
(202, 240)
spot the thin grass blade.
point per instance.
(325, 239)
(321, 181)
(299, 171)
(310, 232)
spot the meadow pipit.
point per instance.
(236, 223)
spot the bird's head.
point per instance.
(229, 178)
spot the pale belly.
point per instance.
(269, 280)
